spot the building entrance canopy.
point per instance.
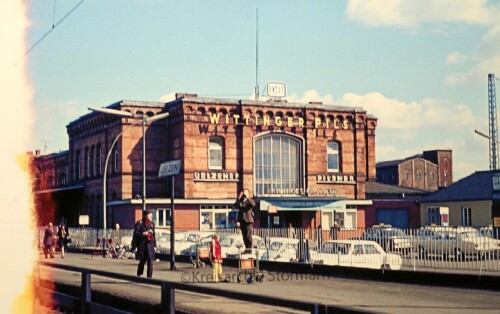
(302, 204)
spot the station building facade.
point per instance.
(305, 164)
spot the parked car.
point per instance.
(457, 243)
(390, 239)
(232, 244)
(281, 249)
(183, 240)
(355, 253)
(163, 241)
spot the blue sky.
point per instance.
(420, 66)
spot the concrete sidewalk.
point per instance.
(323, 288)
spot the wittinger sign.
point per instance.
(170, 168)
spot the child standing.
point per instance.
(216, 258)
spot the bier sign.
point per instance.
(169, 168)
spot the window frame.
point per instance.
(285, 176)
(329, 152)
(210, 211)
(217, 140)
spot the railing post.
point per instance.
(86, 293)
(167, 298)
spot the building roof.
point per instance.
(282, 103)
(391, 163)
(377, 189)
(477, 186)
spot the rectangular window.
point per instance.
(162, 217)
(176, 149)
(433, 216)
(217, 217)
(466, 216)
(346, 219)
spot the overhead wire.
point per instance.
(53, 26)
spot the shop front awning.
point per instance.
(302, 204)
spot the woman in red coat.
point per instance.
(216, 258)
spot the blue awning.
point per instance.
(302, 204)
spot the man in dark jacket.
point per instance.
(245, 206)
(146, 245)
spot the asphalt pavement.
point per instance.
(358, 294)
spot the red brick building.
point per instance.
(428, 171)
(305, 164)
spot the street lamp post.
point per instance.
(144, 119)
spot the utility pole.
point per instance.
(493, 130)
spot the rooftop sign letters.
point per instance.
(277, 121)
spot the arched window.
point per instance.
(93, 167)
(62, 179)
(87, 161)
(115, 159)
(432, 175)
(407, 174)
(332, 153)
(99, 158)
(419, 175)
(278, 165)
(78, 165)
(215, 153)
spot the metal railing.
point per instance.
(168, 291)
(461, 248)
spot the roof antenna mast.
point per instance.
(257, 55)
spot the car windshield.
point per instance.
(469, 234)
(226, 242)
(336, 248)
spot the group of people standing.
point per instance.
(145, 237)
(50, 240)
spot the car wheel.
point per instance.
(386, 267)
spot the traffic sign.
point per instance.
(169, 168)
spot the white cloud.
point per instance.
(408, 13)
(167, 97)
(392, 113)
(310, 95)
(408, 128)
(486, 57)
(455, 58)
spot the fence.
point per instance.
(461, 248)
(168, 290)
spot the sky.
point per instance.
(420, 66)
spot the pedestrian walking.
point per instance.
(62, 238)
(48, 241)
(144, 232)
(245, 206)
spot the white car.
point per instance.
(456, 243)
(355, 253)
(183, 240)
(232, 244)
(281, 249)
